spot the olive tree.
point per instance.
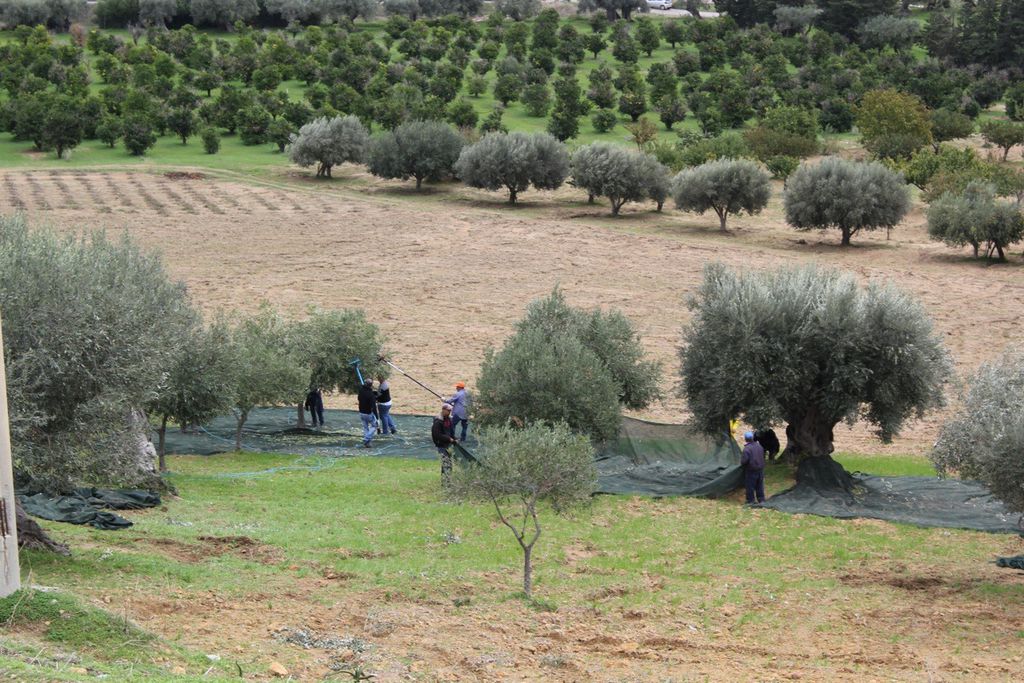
(976, 217)
(726, 186)
(523, 469)
(811, 348)
(424, 150)
(567, 364)
(985, 439)
(198, 385)
(157, 12)
(622, 175)
(267, 369)
(326, 343)
(514, 161)
(1003, 134)
(517, 10)
(329, 142)
(795, 19)
(222, 13)
(888, 31)
(90, 325)
(847, 195)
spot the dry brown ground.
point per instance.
(447, 273)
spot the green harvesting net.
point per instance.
(648, 458)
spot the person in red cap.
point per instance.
(460, 409)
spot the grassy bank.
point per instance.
(289, 536)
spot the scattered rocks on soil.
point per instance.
(308, 640)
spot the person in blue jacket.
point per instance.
(752, 462)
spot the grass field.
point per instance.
(413, 587)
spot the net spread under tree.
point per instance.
(809, 348)
(566, 364)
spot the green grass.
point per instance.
(384, 525)
(86, 641)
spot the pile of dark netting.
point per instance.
(89, 506)
(824, 488)
(648, 458)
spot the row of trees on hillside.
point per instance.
(872, 196)
(184, 82)
(844, 195)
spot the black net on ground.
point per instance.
(825, 489)
(648, 458)
(89, 506)
(1015, 562)
(668, 460)
(273, 430)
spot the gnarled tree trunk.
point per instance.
(809, 445)
(31, 535)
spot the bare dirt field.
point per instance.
(447, 273)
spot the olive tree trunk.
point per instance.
(31, 535)
(809, 445)
(300, 419)
(160, 434)
(240, 422)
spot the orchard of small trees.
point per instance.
(288, 63)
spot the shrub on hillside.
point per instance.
(621, 175)
(567, 364)
(985, 439)
(977, 218)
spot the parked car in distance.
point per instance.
(659, 4)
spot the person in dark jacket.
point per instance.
(387, 423)
(769, 442)
(441, 434)
(315, 405)
(367, 408)
(752, 462)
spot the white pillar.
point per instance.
(10, 571)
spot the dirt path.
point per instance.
(446, 275)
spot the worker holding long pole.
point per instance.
(10, 570)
